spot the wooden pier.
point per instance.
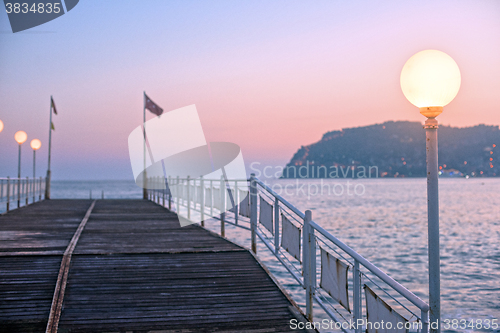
(127, 266)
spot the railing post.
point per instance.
(276, 226)
(163, 180)
(178, 195)
(357, 295)
(222, 206)
(26, 190)
(253, 212)
(425, 321)
(236, 202)
(309, 270)
(157, 189)
(202, 204)
(211, 197)
(188, 197)
(312, 253)
(18, 192)
(169, 193)
(33, 188)
(8, 193)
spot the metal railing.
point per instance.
(21, 191)
(199, 199)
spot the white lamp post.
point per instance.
(20, 138)
(35, 145)
(430, 80)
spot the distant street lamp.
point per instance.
(20, 138)
(1, 125)
(35, 145)
(430, 80)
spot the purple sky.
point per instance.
(269, 76)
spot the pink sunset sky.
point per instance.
(270, 76)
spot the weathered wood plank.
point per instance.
(62, 277)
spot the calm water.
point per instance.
(387, 225)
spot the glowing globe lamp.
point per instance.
(35, 144)
(430, 79)
(20, 137)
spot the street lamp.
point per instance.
(20, 138)
(35, 145)
(1, 125)
(430, 80)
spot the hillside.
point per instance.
(397, 149)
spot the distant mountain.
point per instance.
(397, 149)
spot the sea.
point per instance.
(385, 220)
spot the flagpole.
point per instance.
(47, 179)
(144, 180)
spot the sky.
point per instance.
(270, 76)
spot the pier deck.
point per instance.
(133, 269)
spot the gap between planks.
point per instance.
(62, 277)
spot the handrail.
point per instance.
(21, 190)
(22, 178)
(280, 198)
(211, 179)
(189, 194)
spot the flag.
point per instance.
(151, 106)
(52, 126)
(53, 105)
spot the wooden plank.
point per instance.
(45, 226)
(26, 290)
(62, 277)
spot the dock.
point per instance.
(127, 266)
